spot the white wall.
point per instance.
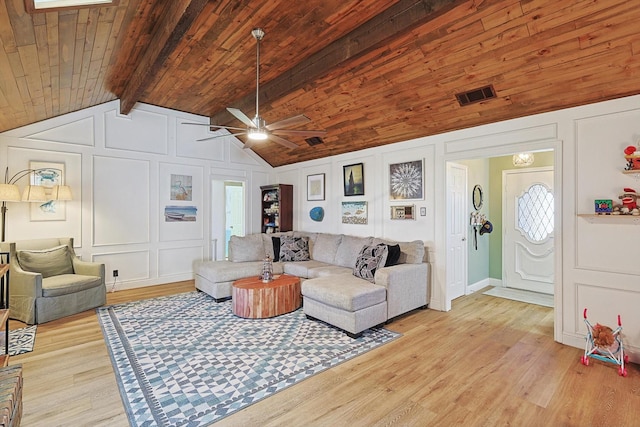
(119, 169)
(597, 265)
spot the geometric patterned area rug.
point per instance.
(521, 295)
(20, 340)
(185, 360)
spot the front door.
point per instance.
(528, 223)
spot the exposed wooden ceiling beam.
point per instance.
(397, 19)
(178, 17)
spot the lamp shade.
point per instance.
(9, 193)
(34, 193)
(61, 192)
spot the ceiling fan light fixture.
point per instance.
(257, 134)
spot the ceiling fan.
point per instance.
(257, 129)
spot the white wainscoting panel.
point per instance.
(600, 141)
(173, 261)
(131, 265)
(142, 131)
(80, 132)
(120, 201)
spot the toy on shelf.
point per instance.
(628, 204)
(605, 344)
(632, 155)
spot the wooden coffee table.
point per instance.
(254, 299)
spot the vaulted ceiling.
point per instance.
(369, 72)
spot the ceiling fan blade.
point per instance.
(213, 126)
(241, 116)
(291, 121)
(221, 136)
(282, 141)
(300, 132)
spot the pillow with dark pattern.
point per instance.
(369, 259)
(294, 248)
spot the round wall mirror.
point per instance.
(477, 197)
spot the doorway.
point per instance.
(234, 212)
(228, 217)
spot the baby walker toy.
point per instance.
(605, 344)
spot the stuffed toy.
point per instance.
(629, 198)
(602, 336)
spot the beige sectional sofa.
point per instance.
(344, 279)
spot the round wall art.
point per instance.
(317, 213)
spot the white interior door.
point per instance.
(457, 219)
(528, 229)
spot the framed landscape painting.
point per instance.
(406, 180)
(353, 178)
(354, 212)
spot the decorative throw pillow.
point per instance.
(393, 255)
(294, 248)
(276, 248)
(369, 259)
(48, 262)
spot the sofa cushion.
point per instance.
(328, 270)
(294, 248)
(227, 271)
(410, 252)
(344, 291)
(65, 284)
(349, 249)
(303, 268)
(393, 255)
(246, 248)
(370, 258)
(325, 247)
(48, 262)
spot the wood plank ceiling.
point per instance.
(369, 72)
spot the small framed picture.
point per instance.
(403, 212)
(353, 178)
(315, 187)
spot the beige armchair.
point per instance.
(48, 281)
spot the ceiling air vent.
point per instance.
(476, 95)
(314, 140)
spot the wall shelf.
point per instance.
(633, 173)
(611, 219)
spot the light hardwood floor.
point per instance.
(487, 362)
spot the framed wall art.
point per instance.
(406, 180)
(47, 174)
(315, 187)
(354, 212)
(181, 187)
(403, 212)
(353, 179)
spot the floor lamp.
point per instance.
(9, 192)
